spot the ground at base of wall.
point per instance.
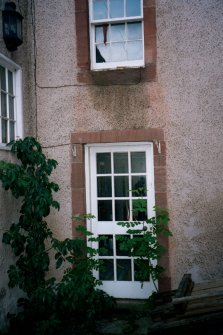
(139, 325)
(130, 317)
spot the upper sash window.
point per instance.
(116, 34)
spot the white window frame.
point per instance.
(113, 65)
(17, 81)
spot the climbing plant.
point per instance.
(47, 306)
(142, 240)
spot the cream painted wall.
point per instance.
(186, 101)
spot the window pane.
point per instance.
(138, 162)
(104, 210)
(104, 186)
(102, 34)
(121, 162)
(107, 270)
(121, 210)
(133, 7)
(3, 105)
(124, 269)
(11, 108)
(100, 10)
(4, 131)
(104, 162)
(10, 81)
(121, 186)
(118, 52)
(134, 50)
(117, 32)
(134, 31)
(102, 53)
(139, 184)
(119, 240)
(12, 131)
(116, 8)
(3, 78)
(139, 209)
(106, 245)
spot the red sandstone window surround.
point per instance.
(155, 136)
(127, 75)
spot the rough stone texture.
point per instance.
(191, 79)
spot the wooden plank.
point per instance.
(206, 309)
(208, 285)
(197, 297)
(208, 292)
(208, 303)
(160, 327)
(185, 287)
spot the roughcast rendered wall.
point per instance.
(190, 74)
(185, 101)
(9, 207)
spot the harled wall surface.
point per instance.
(182, 97)
(190, 74)
(9, 207)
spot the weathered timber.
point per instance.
(184, 289)
(190, 304)
(203, 324)
(197, 297)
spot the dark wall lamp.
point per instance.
(12, 26)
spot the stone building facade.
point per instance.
(173, 103)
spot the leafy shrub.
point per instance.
(48, 306)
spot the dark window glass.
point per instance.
(106, 272)
(4, 131)
(104, 162)
(10, 81)
(3, 78)
(121, 186)
(121, 162)
(124, 272)
(12, 131)
(138, 162)
(104, 186)
(3, 105)
(121, 210)
(106, 245)
(139, 186)
(104, 210)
